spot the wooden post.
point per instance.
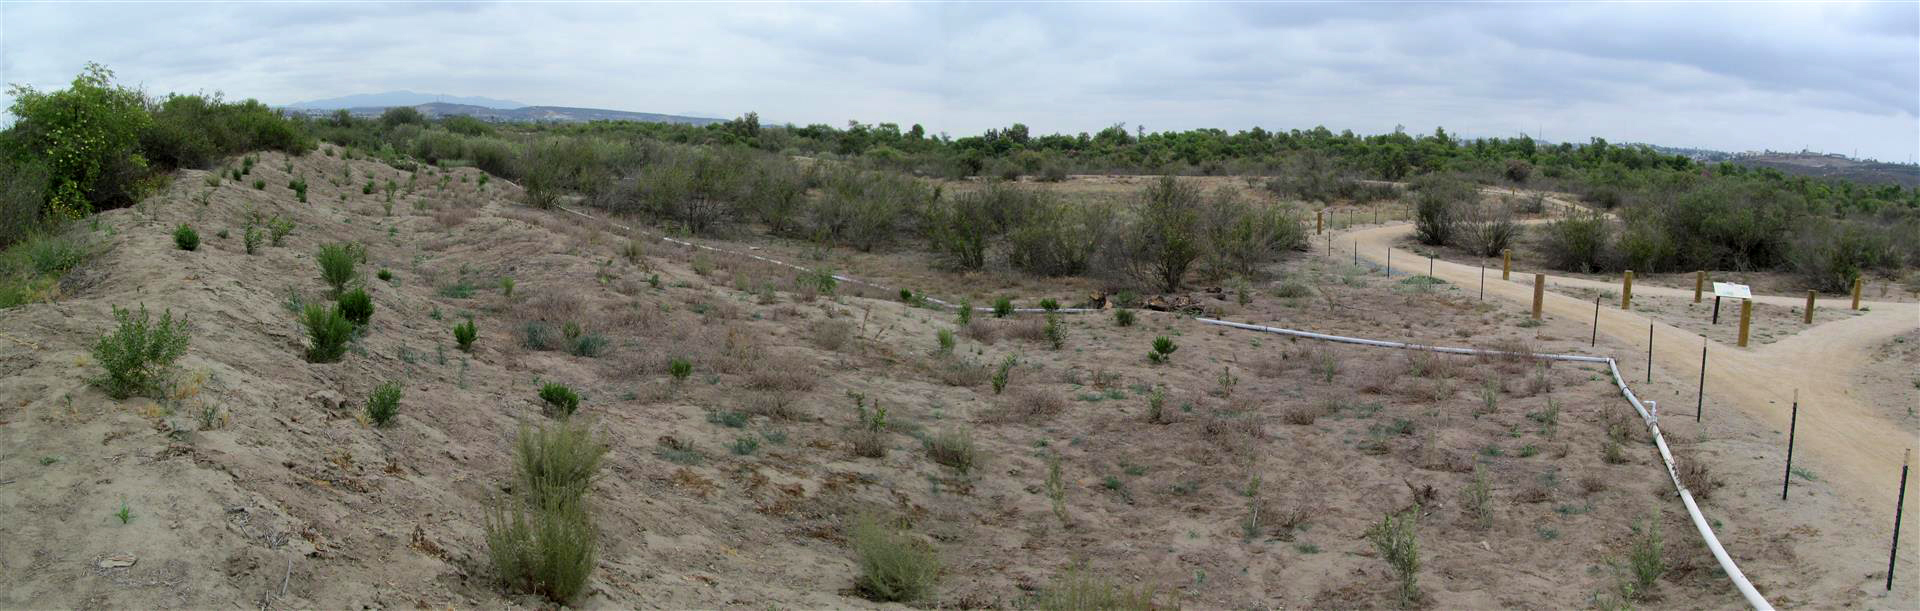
(1319, 222)
(1649, 353)
(1746, 314)
(1857, 281)
(1506, 264)
(1483, 279)
(1389, 261)
(1699, 284)
(1539, 293)
(1626, 291)
(1808, 316)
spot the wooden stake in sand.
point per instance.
(1649, 353)
(1319, 222)
(1626, 291)
(1699, 284)
(1539, 293)
(1506, 264)
(1389, 261)
(1746, 315)
(1899, 506)
(1808, 316)
(1857, 281)
(1793, 424)
(1483, 279)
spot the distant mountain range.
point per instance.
(399, 98)
(486, 109)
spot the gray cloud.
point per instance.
(1745, 76)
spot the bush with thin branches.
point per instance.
(138, 352)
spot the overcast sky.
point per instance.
(1838, 78)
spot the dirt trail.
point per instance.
(1860, 450)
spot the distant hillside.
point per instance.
(1835, 166)
(399, 98)
(1807, 163)
(559, 114)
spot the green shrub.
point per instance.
(259, 184)
(384, 404)
(138, 352)
(279, 229)
(561, 400)
(557, 462)
(1001, 374)
(384, 275)
(1163, 240)
(357, 306)
(464, 333)
(945, 338)
(895, 566)
(1396, 538)
(1581, 243)
(820, 280)
(506, 287)
(952, 449)
(1644, 562)
(1162, 352)
(1076, 590)
(336, 264)
(965, 313)
(1050, 304)
(186, 238)
(299, 186)
(1123, 317)
(1054, 238)
(327, 332)
(251, 238)
(546, 549)
(1002, 307)
(88, 137)
(1056, 331)
(680, 368)
(1438, 205)
(589, 345)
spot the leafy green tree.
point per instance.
(87, 135)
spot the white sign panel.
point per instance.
(1732, 291)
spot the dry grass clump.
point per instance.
(1030, 329)
(1076, 590)
(1303, 415)
(1426, 364)
(1271, 366)
(1430, 391)
(981, 330)
(776, 405)
(958, 371)
(1695, 475)
(783, 375)
(953, 449)
(1027, 404)
(830, 334)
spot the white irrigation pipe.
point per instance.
(1652, 421)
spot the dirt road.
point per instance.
(1859, 450)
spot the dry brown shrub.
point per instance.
(1428, 364)
(831, 334)
(868, 443)
(452, 216)
(1028, 404)
(981, 331)
(1430, 391)
(1695, 475)
(1382, 381)
(775, 405)
(957, 371)
(783, 374)
(1272, 366)
(1592, 484)
(554, 306)
(1030, 329)
(1533, 493)
(1303, 414)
